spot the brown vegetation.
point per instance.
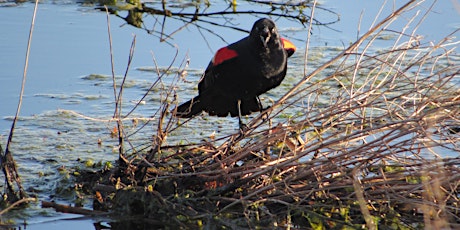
(372, 142)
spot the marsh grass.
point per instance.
(367, 140)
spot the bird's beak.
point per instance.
(265, 37)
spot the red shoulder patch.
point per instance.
(223, 54)
(288, 46)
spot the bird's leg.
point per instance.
(260, 104)
(265, 116)
(243, 127)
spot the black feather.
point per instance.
(241, 72)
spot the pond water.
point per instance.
(70, 69)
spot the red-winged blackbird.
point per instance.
(240, 72)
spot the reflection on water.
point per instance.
(69, 96)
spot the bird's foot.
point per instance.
(243, 128)
(265, 115)
(263, 109)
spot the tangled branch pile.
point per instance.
(371, 140)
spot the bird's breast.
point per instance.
(273, 63)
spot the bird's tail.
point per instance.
(189, 108)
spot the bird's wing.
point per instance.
(222, 57)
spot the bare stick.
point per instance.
(370, 224)
(308, 39)
(112, 62)
(116, 112)
(23, 200)
(74, 210)
(7, 160)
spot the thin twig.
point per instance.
(6, 161)
(23, 200)
(117, 110)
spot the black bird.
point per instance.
(240, 72)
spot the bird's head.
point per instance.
(264, 30)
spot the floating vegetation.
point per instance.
(94, 77)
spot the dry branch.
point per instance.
(74, 210)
